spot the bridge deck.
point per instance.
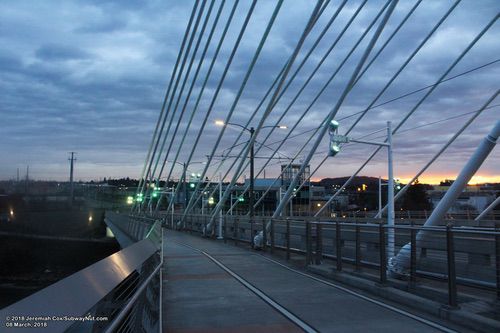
(200, 296)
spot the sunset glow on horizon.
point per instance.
(436, 179)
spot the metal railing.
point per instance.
(120, 293)
(451, 265)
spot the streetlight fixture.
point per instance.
(251, 130)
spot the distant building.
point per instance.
(473, 198)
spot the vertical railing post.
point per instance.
(358, 247)
(205, 225)
(319, 243)
(383, 254)
(235, 231)
(497, 257)
(264, 235)
(308, 243)
(413, 254)
(452, 283)
(225, 228)
(338, 243)
(287, 239)
(272, 235)
(251, 232)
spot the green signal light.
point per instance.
(155, 194)
(241, 199)
(334, 124)
(191, 185)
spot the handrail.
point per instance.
(121, 315)
(75, 298)
(76, 294)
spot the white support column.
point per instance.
(475, 161)
(401, 262)
(488, 209)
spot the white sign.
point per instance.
(340, 138)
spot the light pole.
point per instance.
(334, 149)
(251, 130)
(220, 213)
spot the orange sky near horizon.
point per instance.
(435, 179)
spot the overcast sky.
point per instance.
(90, 77)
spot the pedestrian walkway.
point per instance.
(210, 286)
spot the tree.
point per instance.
(416, 198)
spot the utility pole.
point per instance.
(27, 179)
(71, 185)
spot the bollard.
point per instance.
(358, 247)
(319, 244)
(287, 239)
(308, 243)
(338, 243)
(272, 235)
(452, 283)
(383, 254)
(413, 255)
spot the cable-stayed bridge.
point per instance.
(354, 84)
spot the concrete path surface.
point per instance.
(200, 296)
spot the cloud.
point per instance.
(54, 52)
(90, 76)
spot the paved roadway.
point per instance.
(201, 296)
